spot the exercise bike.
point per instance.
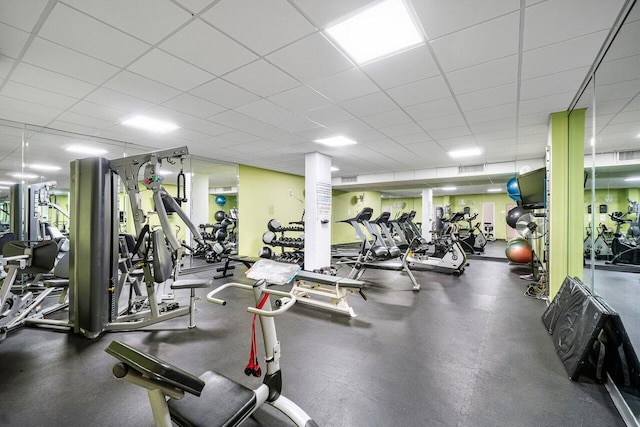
(624, 250)
(215, 399)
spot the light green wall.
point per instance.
(618, 204)
(395, 206)
(264, 195)
(345, 205)
(232, 203)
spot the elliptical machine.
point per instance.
(601, 245)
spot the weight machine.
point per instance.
(95, 285)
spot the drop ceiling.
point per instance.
(255, 82)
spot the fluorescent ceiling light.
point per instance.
(632, 178)
(7, 183)
(334, 169)
(449, 188)
(164, 172)
(336, 141)
(40, 167)
(494, 190)
(23, 175)
(83, 149)
(3, 187)
(152, 125)
(378, 31)
(465, 153)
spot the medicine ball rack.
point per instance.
(276, 237)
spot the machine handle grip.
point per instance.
(268, 313)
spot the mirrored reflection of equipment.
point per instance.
(220, 239)
(214, 399)
(624, 247)
(95, 281)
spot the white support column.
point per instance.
(317, 226)
(428, 214)
(197, 191)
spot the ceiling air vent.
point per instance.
(227, 188)
(471, 168)
(625, 156)
(348, 179)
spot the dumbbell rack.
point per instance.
(276, 237)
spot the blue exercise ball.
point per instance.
(513, 190)
(221, 200)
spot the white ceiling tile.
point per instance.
(234, 119)
(442, 122)
(149, 20)
(326, 12)
(84, 120)
(21, 115)
(311, 58)
(265, 130)
(5, 65)
(21, 14)
(535, 130)
(45, 54)
(549, 22)
(164, 68)
(98, 40)
(490, 126)
(294, 123)
(387, 118)
(98, 111)
(195, 106)
(132, 84)
(224, 93)
(444, 17)
(421, 91)
(238, 136)
(208, 127)
(25, 107)
(490, 74)
(413, 138)
(345, 85)
(396, 131)
(429, 110)
(405, 67)
(69, 127)
(549, 104)
(49, 80)
(301, 98)
(617, 91)
(491, 114)
(367, 105)
(619, 70)
(37, 96)
(350, 126)
(488, 97)
(262, 26)
(13, 40)
(488, 138)
(533, 119)
(263, 110)
(262, 78)
(369, 135)
(208, 55)
(118, 101)
(568, 55)
(459, 131)
(328, 115)
(625, 45)
(554, 83)
(482, 43)
(191, 135)
(195, 6)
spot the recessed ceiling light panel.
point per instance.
(336, 141)
(40, 167)
(23, 175)
(152, 125)
(85, 149)
(469, 152)
(494, 190)
(378, 31)
(449, 188)
(334, 169)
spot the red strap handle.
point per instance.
(253, 367)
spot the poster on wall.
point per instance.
(323, 201)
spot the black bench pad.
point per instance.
(223, 402)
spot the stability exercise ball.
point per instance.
(513, 190)
(221, 200)
(519, 252)
(513, 215)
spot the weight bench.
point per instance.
(247, 261)
(221, 400)
(336, 289)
